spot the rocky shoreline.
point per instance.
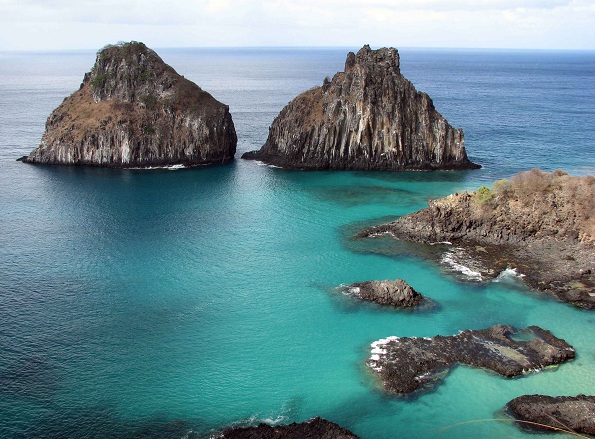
(368, 117)
(314, 428)
(574, 414)
(408, 364)
(540, 224)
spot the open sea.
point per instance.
(161, 303)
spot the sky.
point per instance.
(91, 24)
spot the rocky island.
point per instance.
(369, 117)
(314, 428)
(575, 414)
(407, 364)
(397, 293)
(541, 224)
(134, 110)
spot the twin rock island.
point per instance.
(133, 110)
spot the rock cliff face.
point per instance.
(369, 117)
(542, 224)
(133, 110)
(409, 363)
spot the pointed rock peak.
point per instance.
(120, 69)
(367, 57)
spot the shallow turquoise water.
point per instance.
(153, 303)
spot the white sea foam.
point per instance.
(441, 242)
(509, 273)
(449, 260)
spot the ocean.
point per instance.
(173, 303)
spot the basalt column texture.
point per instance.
(369, 117)
(134, 110)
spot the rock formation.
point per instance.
(133, 110)
(542, 224)
(314, 428)
(561, 413)
(369, 117)
(396, 293)
(406, 364)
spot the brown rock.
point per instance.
(386, 292)
(369, 117)
(314, 428)
(568, 413)
(133, 110)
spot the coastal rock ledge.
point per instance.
(397, 293)
(409, 363)
(574, 414)
(369, 117)
(541, 224)
(314, 428)
(134, 110)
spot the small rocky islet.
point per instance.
(134, 110)
(571, 414)
(368, 117)
(408, 364)
(314, 428)
(396, 293)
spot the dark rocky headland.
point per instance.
(561, 413)
(397, 293)
(134, 110)
(369, 117)
(314, 428)
(409, 363)
(541, 224)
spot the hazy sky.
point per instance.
(90, 24)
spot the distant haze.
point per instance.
(90, 24)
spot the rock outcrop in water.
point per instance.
(134, 110)
(314, 428)
(574, 414)
(369, 117)
(397, 293)
(407, 364)
(541, 224)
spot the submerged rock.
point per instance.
(396, 293)
(314, 428)
(134, 110)
(369, 117)
(540, 224)
(409, 363)
(561, 413)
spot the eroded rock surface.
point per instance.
(406, 364)
(396, 293)
(314, 428)
(541, 224)
(569, 413)
(369, 117)
(134, 110)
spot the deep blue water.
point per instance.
(139, 303)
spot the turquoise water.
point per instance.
(153, 303)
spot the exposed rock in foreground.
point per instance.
(396, 293)
(567, 413)
(407, 364)
(541, 224)
(369, 117)
(314, 428)
(133, 110)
